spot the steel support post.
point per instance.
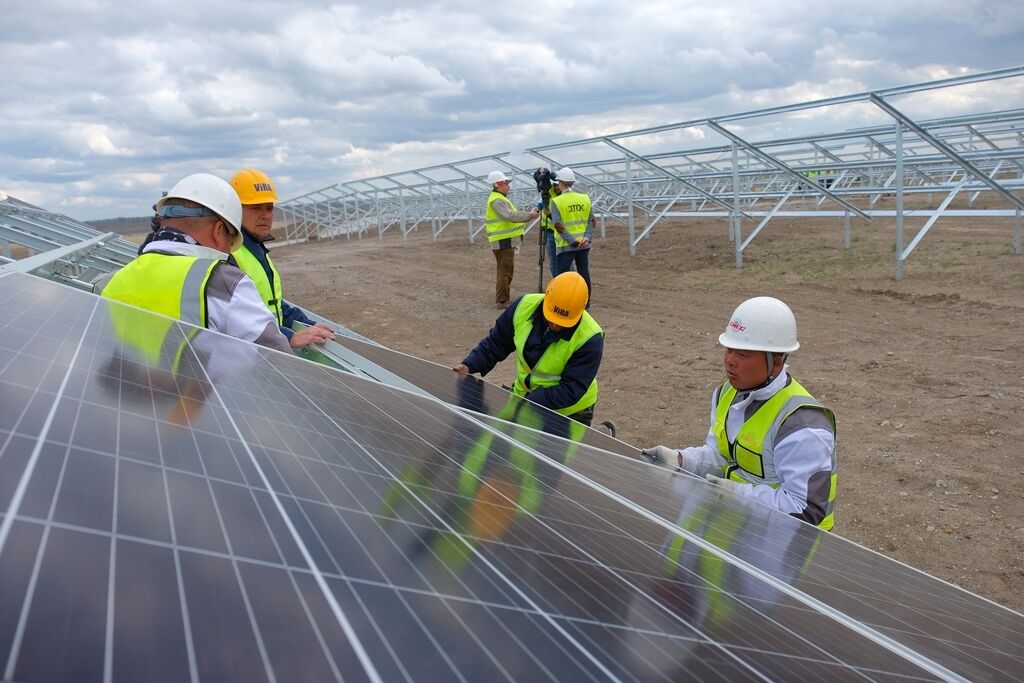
(401, 209)
(469, 215)
(630, 218)
(380, 216)
(735, 231)
(1017, 233)
(899, 201)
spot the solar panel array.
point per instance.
(179, 505)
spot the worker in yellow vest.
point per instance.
(504, 226)
(769, 440)
(183, 272)
(256, 192)
(557, 345)
(573, 224)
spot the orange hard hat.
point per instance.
(565, 299)
(253, 187)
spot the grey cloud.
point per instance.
(317, 92)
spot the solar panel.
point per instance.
(476, 395)
(180, 505)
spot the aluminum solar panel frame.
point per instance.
(180, 505)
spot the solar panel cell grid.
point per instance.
(229, 513)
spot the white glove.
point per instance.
(727, 484)
(661, 455)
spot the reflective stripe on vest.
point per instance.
(574, 210)
(169, 284)
(497, 227)
(547, 371)
(150, 335)
(750, 457)
(269, 291)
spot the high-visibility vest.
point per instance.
(548, 370)
(750, 457)
(172, 285)
(574, 210)
(497, 227)
(270, 291)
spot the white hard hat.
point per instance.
(761, 324)
(496, 177)
(213, 193)
(566, 176)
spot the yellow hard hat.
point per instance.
(253, 187)
(565, 299)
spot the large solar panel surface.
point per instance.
(893, 599)
(179, 505)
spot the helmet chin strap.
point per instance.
(770, 359)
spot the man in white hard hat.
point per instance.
(769, 440)
(183, 272)
(504, 226)
(573, 228)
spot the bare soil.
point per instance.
(924, 374)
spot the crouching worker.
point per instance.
(558, 348)
(770, 440)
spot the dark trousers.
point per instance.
(549, 244)
(585, 416)
(581, 258)
(506, 264)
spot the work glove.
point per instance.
(661, 455)
(540, 205)
(727, 484)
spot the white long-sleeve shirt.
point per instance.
(803, 449)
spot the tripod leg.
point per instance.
(542, 236)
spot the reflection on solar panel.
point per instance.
(472, 393)
(180, 505)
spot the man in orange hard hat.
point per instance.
(558, 348)
(256, 192)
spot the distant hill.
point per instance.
(122, 226)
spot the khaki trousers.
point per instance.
(505, 261)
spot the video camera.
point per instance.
(544, 179)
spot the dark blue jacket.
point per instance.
(579, 372)
(288, 312)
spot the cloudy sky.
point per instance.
(106, 102)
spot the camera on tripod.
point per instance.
(544, 179)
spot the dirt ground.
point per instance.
(924, 375)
